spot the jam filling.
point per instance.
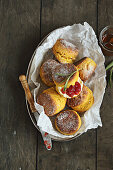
(72, 90)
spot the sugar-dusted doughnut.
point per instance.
(52, 102)
(46, 71)
(68, 122)
(64, 51)
(83, 101)
(87, 67)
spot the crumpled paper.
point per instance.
(83, 36)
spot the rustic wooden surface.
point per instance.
(22, 25)
(19, 35)
(105, 134)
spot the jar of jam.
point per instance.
(106, 40)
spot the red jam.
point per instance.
(108, 41)
(62, 90)
(72, 90)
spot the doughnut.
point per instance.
(46, 71)
(64, 51)
(87, 67)
(60, 74)
(68, 122)
(83, 101)
(52, 102)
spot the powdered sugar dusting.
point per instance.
(63, 116)
(49, 65)
(65, 69)
(67, 121)
(87, 71)
(45, 100)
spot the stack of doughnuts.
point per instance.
(66, 80)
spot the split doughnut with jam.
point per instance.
(60, 76)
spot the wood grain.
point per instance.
(19, 36)
(58, 13)
(105, 134)
(79, 154)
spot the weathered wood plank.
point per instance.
(59, 13)
(19, 36)
(105, 134)
(79, 154)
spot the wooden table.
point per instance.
(23, 23)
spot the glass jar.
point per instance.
(106, 40)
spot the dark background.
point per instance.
(23, 23)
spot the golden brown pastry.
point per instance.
(87, 67)
(60, 75)
(68, 122)
(83, 101)
(64, 51)
(52, 102)
(46, 71)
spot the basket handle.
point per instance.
(27, 91)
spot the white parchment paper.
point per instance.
(83, 36)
